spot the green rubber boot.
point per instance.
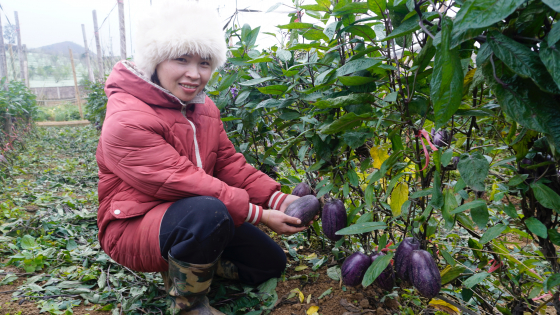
(187, 285)
(226, 269)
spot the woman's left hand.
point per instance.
(288, 201)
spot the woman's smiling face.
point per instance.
(185, 76)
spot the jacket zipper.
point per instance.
(196, 150)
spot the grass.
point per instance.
(63, 112)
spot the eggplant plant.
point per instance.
(346, 102)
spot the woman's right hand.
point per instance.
(278, 222)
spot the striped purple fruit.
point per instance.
(424, 273)
(302, 189)
(333, 218)
(304, 208)
(354, 268)
(386, 279)
(402, 257)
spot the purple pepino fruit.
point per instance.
(354, 268)
(386, 279)
(333, 219)
(442, 138)
(402, 257)
(424, 273)
(305, 208)
(302, 189)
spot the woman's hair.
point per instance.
(154, 78)
(175, 27)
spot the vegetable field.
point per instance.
(437, 121)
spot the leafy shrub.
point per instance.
(348, 106)
(62, 112)
(96, 105)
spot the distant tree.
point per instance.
(10, 34)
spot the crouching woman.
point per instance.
(174, 196)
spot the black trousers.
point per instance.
(198, 229)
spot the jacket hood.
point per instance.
(172, 28)
(127, 78)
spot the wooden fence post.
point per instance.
(20, 49)
(12, 61)
(98, 44)
(25, 65)
(76, 85)
(121, 29)
(3, 63)
(90, 71)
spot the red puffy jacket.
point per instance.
(155, 150)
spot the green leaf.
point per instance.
(314, 34)
(284, 55)
(469, 205)
(345, 122)
(422, 193)
(327, 292)
(450, 203)
(315, 7)
(550, 56)
(355, 80)
(480, 216)
(522, 60)
(352, 99)
(553, 281)
(553, 4)
(492, 233)
(71, 245)
(362, 228)
(554, 237)
(525, 103)
(330, 30)
(474, 170)
(510, 210)
(356, 65)
(364, 31)
(376, 268)
(377, 6)
(258, 60)
(437, 196)
(273, 89)
(325, 189)
(547, 197)
(536, 227)
(255, 81)
(517, 179)
(269, 103)
(554, 36)
(243, 95)
(452, 274)
(410, 25)
(447, 79)
(227, 82)
(296, 26)
(475, 279)
(353, 177)
(369, 194)
(350, 8)
(479, 14)
(356, 138)
(28, 242)
(334, 273)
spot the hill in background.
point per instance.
(62, 49)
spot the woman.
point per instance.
(174, 196)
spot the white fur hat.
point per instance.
(177, 27)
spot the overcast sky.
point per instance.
(45, 22)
